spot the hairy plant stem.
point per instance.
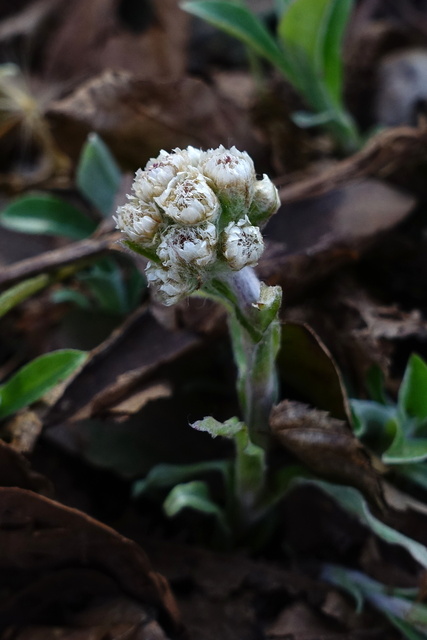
(255, 335)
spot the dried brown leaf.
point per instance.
(119, 366)
(137, 118)
(326, 446)
(384, 156)
(147, 38)
(41, 538)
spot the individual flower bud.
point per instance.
(232, 173)
(242, 244)
(265, 201)
(194, 246)
(188, 199)
(158, 172)
(168, 283)
(191, 155)
(139, 221)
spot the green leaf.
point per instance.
(397, 604)
(339, 15)
(405, 449)
(36, 378)
(412, 399)
(70, 295)
(46, 214)
(242, 24)
(353, 502)
(373, 422)
(227, 429)
(194, 495)
(311, 32)
(105, 283)
(167, 475)
(21, 291)
(98, 175)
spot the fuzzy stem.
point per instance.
(255, 334)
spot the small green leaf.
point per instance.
(98, 175)
(167, 475)
(37, 378)
(105, 282)
(21, 291)
(405, 449)
(413, 390)
(70, 295)
(373, 423)
(194, 495)
(46, 214)
(398, 605)
(227, 429)
(242, 24)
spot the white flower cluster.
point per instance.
(194, 212)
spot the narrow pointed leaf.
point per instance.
(36, 378)
(98, 175)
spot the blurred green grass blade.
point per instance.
(242, 24)
(406, 628)
(413, 390)
(21, 291)
(332, 67)
(35, 379)
(48, 215)
(98, 175)
(311, 32)
(398, 605)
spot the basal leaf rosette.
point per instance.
(196, 214)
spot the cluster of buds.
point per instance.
(194, 213)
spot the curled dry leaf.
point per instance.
(120, 367)
(42, 539)
(386, 155)
(307, 366)
(138, 117)
(326, 446)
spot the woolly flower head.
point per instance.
(242, 245)
(195, 213)
(188, 199)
